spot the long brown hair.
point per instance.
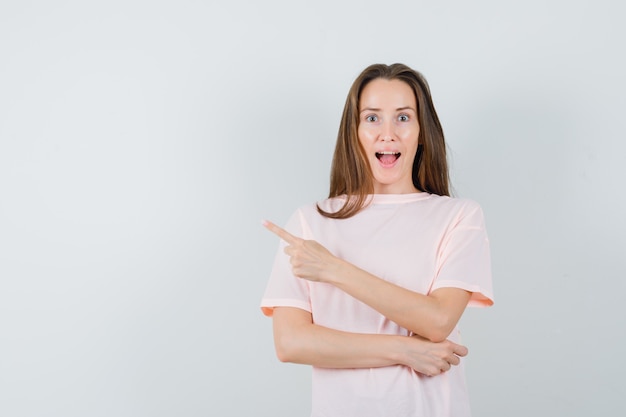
(351, 174)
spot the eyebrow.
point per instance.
(398, 109)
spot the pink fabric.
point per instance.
(418, 241)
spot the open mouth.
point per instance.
(387, 158)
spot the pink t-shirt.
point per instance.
(419, 241)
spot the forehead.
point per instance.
(381, 93)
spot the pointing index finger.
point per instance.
(281, 233)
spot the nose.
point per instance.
(387, 132)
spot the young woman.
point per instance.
(368, 285)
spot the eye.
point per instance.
(403, 118)
(371, 118)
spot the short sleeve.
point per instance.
(283, 288)
(463, 259)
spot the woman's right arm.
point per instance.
(297, 339)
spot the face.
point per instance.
(388, 131)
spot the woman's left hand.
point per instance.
(309, 260)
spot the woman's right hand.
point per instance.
(431, 358)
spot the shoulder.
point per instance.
(310, 210)
(454, 203)
(458, 210)
(306, 218)
(329, 204)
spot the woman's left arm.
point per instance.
(432, 316)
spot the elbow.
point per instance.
(282, 354)
(439, 330)
(291, 330)
(438, 336)
(286, 349)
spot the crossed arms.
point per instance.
(430, 318)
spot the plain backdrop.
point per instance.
(142, 143)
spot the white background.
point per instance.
(142, 143)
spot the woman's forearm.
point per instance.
(432, 316)
(298, 340)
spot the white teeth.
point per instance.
(388, 153)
